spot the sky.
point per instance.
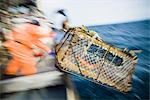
(98, 12)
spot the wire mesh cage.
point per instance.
(83, 53)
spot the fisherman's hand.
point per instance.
(52, 53)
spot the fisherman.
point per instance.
(24, 39)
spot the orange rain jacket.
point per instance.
(24, 38)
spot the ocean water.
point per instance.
(133, 35)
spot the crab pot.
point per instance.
(83, 53)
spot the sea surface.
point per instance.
(132, 35)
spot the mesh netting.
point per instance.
(83, 53)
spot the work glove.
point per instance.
(52, 53)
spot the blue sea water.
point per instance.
(133, 35)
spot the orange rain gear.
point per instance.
(24, 38)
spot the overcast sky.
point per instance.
(96, 12)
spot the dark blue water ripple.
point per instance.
(133, 35)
